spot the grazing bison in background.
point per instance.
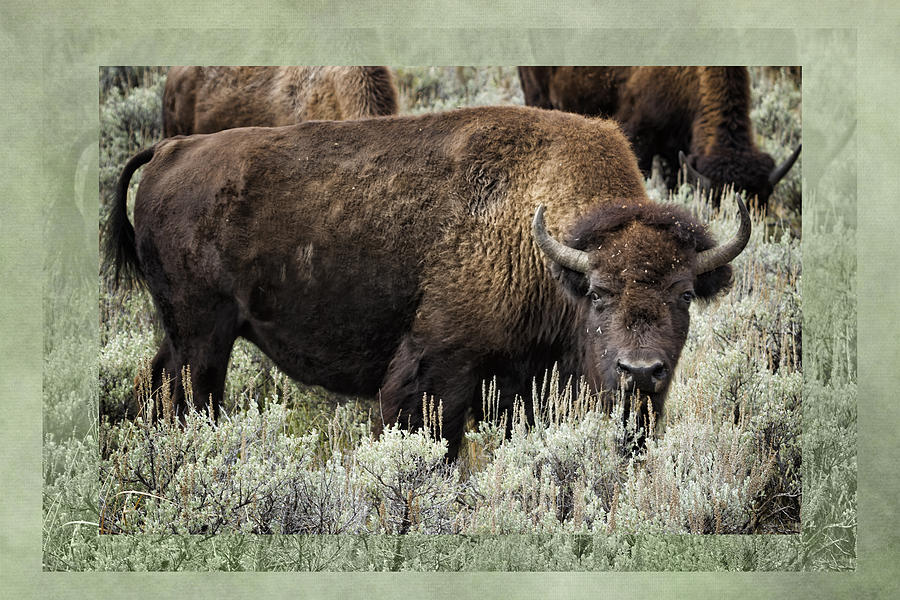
(398, 257)
(210, 99)
(666, 111)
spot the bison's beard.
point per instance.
(642, 410)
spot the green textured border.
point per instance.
(50, 87)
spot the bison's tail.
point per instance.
(120, 246)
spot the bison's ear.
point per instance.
(715, 282)
(574, 283)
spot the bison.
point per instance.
(397, 257)
(210, 99)
(666, 111)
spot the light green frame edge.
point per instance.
(65, 95)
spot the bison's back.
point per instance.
(179, 96)
(211, 99)
(592, 91)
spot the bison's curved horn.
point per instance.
(694, 176)
(725, 253)
(781, 170)
(577, 260)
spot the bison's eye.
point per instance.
(599, 297)
(688, 296)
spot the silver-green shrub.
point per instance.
(242, 474)
(558, 478)
(408, 482)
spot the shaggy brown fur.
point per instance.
(210, 99)
(703, 111)
(394, 256)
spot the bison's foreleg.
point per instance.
(416, 376)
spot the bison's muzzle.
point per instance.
(650, 376)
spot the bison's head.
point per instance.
(746, 169)
(633, 271)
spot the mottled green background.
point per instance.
(49, 104)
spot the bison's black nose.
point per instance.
(645, 375)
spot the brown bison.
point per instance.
(397, 257)
(210, 99)
(666, 111)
